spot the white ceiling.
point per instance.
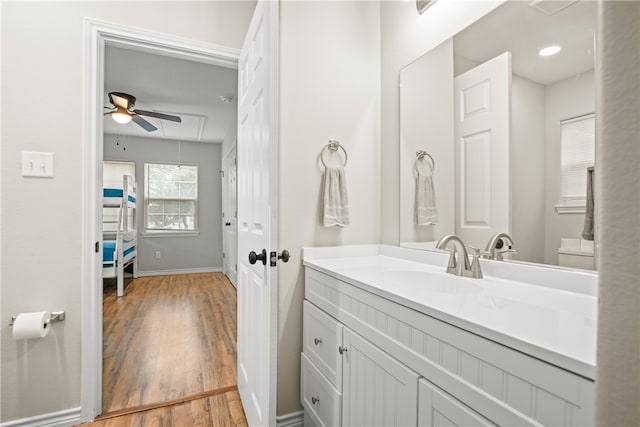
(522, 29)
(164, 84)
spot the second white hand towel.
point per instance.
(426, 212)
(336, 202)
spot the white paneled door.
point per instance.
(257, 215)
(482, 122)
(230, 216)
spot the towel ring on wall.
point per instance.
(333, 145)
(420, 155)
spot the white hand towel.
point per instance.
(336, 202)
(425, 212)
(587, 231)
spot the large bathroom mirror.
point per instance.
(496, 137)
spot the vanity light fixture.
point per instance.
(549, 50)
(423, 5)
(120, 115)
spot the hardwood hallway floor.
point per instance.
(168, 338)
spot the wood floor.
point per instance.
(168, 338)
(220, 410)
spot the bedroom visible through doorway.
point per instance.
(170, 333)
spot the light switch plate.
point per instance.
(37, 164)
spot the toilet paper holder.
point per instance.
(56, 316)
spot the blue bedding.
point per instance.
(108, 251)
(116, 192)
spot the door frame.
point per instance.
(97, 35)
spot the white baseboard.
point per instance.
(293, 419)
(68, 417)
(179, 271)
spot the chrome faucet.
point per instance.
(499, 244)
(460, 266)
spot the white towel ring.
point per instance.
(333, 145)
(420, 155)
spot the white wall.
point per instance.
(405, 36)
(527, 168)
(565, 99)
(198, 253)
(426, 123)
(617, 181)
(42, 80)
(329, 89)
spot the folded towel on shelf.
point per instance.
(425, 212)
(587, 231)
(336, 203)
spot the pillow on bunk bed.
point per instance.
(108, 251)
(115, 193)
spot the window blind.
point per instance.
(577, 154)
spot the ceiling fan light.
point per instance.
(121, 117)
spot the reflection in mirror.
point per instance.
(511, 132)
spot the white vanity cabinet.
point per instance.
(401, 366)
(348, 381)
(378, 390)
(437, 408)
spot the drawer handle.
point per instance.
(317, 341)
(315, 400)
(342, 349)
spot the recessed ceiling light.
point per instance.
(549, 50)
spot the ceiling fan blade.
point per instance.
(120, 99)
(158, 115)
(143, 123)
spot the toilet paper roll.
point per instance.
(31, 325)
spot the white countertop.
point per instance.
(551, 324)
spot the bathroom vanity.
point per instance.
(391, 339)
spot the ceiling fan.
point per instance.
(124, 112)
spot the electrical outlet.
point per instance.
(158, 254)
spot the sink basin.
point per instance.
(437, 282)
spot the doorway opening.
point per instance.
(101, 37)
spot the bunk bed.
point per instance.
(119, 238)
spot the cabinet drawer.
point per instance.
(322, 335)
(438, 408)
(321, 400)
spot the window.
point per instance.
(171, 197)
(577, 143)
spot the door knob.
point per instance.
(284, 256)
(275, 256)
(262, 256)
(227, 224)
